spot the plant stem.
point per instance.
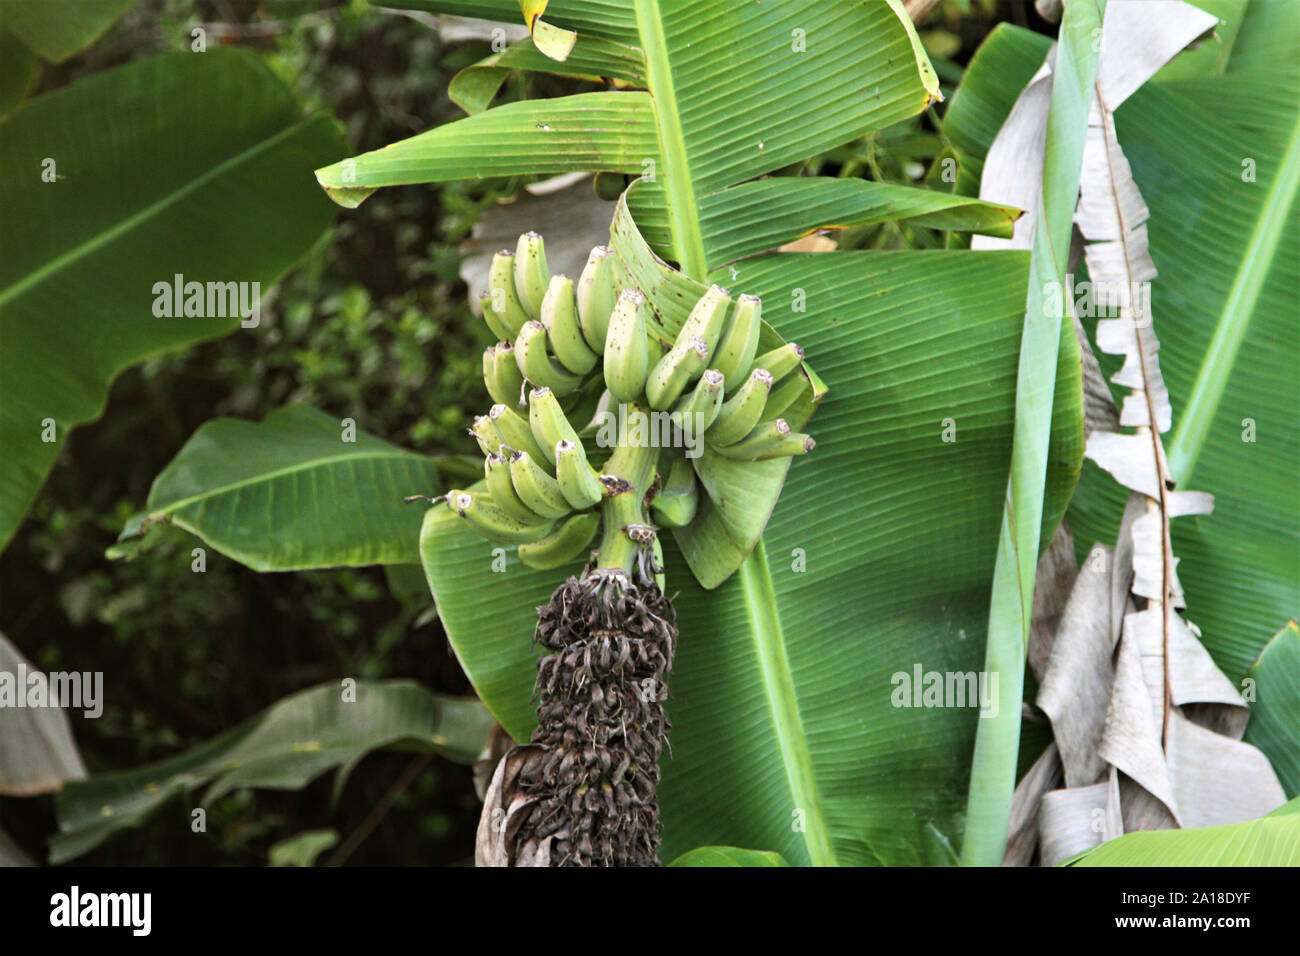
(997, 738)
(617, 550)
(634, 463)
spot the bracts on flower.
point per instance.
(585, 791)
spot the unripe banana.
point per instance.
(675, 503)
(769, 440)
(503, 297)
(560, 317)
(538, 490)
(735, 353)
(485, 434)
(566, 543)
(501, 488)
(683, 363)
(596, 293)
(627, 352)
(704, 401)
(578, 482)
(492, 522)
(501, 375)
(531, 275)
(549, 423)
(780, 362)
(537, 366)
(707, 318)
(513, 431)
(783, 396)
(740, 413)
(494, 323)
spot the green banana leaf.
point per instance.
(291, 493)
(199, 174)
(1224, 307)
(56, 29)
(1273, 840)
(1275, 711)
(727, 856)
(285, 747)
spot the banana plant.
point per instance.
(793, 619)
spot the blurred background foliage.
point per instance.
(374, 325)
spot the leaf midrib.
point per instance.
(778, 685)
(270, 476)
(679, 187)
(1235, 316)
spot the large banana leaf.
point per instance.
(736, 90)
(285, 747)
(1226, 249)
(1273, 840)
(199, 173)
(291, 493)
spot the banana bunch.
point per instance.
(561, 345)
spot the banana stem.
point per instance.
(617, 550)
(634, 464)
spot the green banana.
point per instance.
(538, 490)
(735, 354)
(494, 323)
(783, 396)
(513, 431)
(531, 275)
(596, 293)
(781, 361)
(504, 299)
(548, 422)
(501, 374)
(560, 317)
(563, 545)
(740, 413)
(502, 490)
(707, 317)
(578, 481)
(485, 433)
(627, 351)
(705, 401)
(667, 380)
(492, 522)
(674, 504)
(769, 440)
(537, 366)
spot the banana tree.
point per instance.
(786, 732)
